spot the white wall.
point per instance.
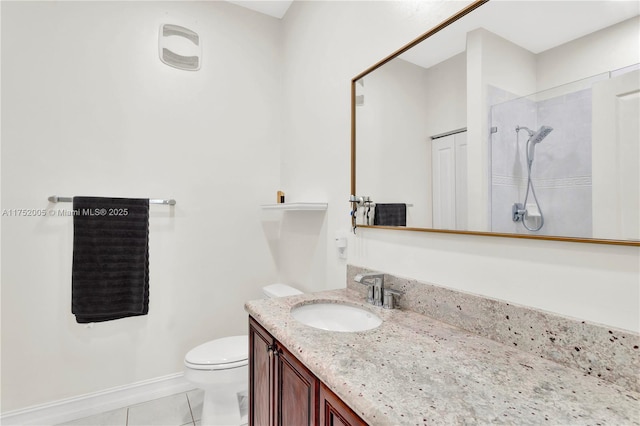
(606, 50)
(89, 109)
(327, 44)
(394, 167)
(446, 86)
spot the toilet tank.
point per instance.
(279, 290)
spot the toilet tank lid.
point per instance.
(279, 290)
(220, 351)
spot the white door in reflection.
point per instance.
(616, 154)
(449, 179)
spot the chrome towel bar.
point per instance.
(56, 199)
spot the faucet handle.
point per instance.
(389, 299)
(375, 281)
(370, 291)
(378, 290)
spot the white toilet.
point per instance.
(220, 368)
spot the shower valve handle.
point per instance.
(518, 211)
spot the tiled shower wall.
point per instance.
(561, 170)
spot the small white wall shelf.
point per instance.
(296, 206)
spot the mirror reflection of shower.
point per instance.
(521, 211)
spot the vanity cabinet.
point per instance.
(283, 392)
(334, 412)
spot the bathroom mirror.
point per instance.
(511, 118)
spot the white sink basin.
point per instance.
(335, 317)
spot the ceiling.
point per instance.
(533, 25)
(275, 8)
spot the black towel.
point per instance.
(390, 215)
(110, 274)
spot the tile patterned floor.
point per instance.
(175, 410)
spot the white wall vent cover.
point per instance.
(179, 47)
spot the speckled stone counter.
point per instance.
(414, 370)
(609, 353)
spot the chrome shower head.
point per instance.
(542, 133)
(535, 139)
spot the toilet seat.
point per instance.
(219, 354)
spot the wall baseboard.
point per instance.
(69, 409)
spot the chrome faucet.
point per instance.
(375, 281)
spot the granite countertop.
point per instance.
(414, 370)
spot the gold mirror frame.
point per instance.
(473, 6)
(397, 53)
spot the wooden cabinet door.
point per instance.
(283, 392)
(297, 390)
(334, 412)
(261, 378)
